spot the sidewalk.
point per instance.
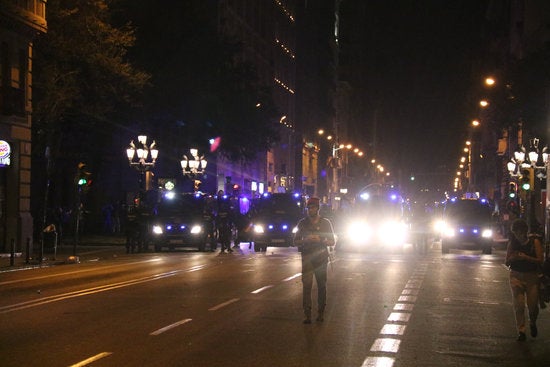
(89, 247)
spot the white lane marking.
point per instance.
(292, 277)
(166, 328)
(378, 362)
(85, 292)
(403, 307)
(399, 317)
(393, 329)
(397, 322)
(195, 268)
(91, 359)
(74, 272)
(407, 299)
(223, 304)
(388, 345)
(262, 289)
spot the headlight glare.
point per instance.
(157, 229)
(487, 233)
(196, 229)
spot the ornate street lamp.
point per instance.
(146, 155)
(142, 156)
(536, 158)
(195, 165)
(525, 166)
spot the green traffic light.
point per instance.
(82, 182)
(526, 186)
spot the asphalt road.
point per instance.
(188, 308)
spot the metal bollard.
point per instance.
(28, 251)
(12, 252)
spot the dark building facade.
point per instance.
(20, 22)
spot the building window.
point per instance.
(12, 82)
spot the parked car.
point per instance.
(182, 220)
(467, 224)
(273, 219)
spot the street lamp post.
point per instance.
(531, 167)
(142, 156)
(194, 166)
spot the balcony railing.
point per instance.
(29, 12)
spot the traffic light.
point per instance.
(527, 179)
(512, 207)
(83, 177)
(512, 193)
(236, 189)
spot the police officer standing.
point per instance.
(313, 235)
(224, 223)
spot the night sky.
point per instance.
(410, 64)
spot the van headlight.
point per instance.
(393, 231)
(487, 233)
(358, 232)
(438, 226)
(157, 229)
(196, 229)
(259, 229)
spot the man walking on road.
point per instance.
(313, 236)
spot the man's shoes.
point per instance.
(307, 314)
(521, 337)
(534, 330)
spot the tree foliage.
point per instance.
(84, 89)
(82, 77)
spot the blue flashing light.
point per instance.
(170, 195)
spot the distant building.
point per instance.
(267, 29)
(20, 22)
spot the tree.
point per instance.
(84, 88)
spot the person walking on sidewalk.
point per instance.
(314, 234)
(524, 257)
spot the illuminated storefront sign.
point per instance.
(5, 153)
